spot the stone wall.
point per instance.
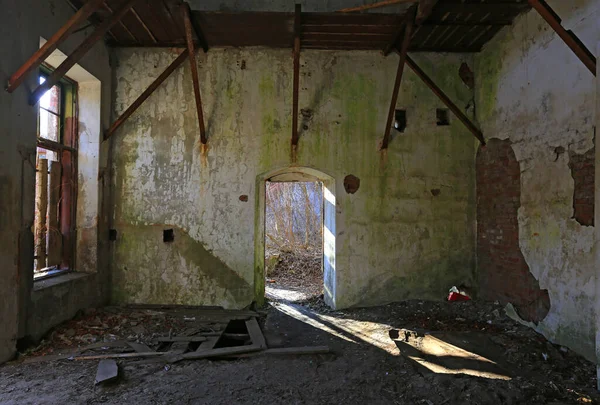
(535, 94)
(406, 233)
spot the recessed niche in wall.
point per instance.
(400, 120)
(168, 235)
(442, 117)
(112, 234)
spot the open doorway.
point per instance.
(294, 240)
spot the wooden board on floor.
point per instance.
(255, 333)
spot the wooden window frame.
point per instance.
(67, 152)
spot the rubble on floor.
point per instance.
(412, 352)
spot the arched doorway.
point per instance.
(297, 174)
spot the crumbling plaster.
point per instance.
(394, 239)
(532, 89)
(22, 24)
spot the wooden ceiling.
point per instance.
(453, 26)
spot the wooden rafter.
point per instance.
(78, 53)
(297, 33)
(424, 10)
(403, 56)
(41, 54)
(384, 3)
(194, 69)
(197, 29)
(570, 39)
(147, 93)
(445, 99)
(410, 15)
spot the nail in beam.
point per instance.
(403, 56)
(42, 53)
(297, 23)
(81, 50)
(194, 67)
(135, 105)
(438, 92)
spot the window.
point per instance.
(56, 164)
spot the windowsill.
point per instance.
(53, 272)
(51, 281)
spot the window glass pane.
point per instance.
(51, 99)
(49, 125)
(47, 154)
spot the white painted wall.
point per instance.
(533, 90)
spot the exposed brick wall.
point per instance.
(503, 272)
(582, 169)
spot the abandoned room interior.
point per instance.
(279, 201)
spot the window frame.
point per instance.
(67, 152)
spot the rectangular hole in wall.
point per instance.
(112, 234)
(168, 235)
(400, 120)
(442, 117)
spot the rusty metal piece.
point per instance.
(41, 54)
(135, 105)
(185, 10)
(81, 50)
(438, 92)
(570, 39)
(403, 56)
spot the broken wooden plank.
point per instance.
(79, 52)
(396, 89)
(54, 235)
(119, 355)
(188, 339)
(223, 351)
(41, 203)
(51, 44)
(569, 38)
(445, 99)
(139, 347)
(256, 334)
(194, 70)
(298, 350)
(108, 371)
(208, 344)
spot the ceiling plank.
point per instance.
(384, 3)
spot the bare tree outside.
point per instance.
(294, 240)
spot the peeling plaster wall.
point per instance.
(532, 90)
(395, 239)
(22, 23)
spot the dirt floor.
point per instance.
(405, 353)
(294, 276)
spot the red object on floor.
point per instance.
(457, 297)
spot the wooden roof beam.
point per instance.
(147, 93)
(424, 10)
(297, 33)
(197, 29)
(409, 16)
(42, 53)
(78, 53)
(438, 92)
(403, 56)
(384, 3)
(570, 39)
(185, 10)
